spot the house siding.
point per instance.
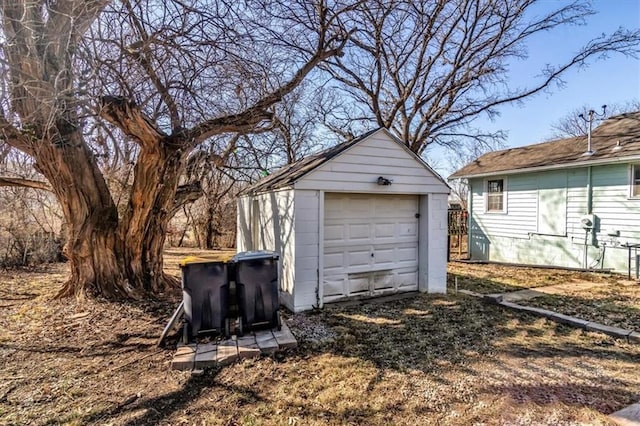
(515, 236)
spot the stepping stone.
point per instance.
(248, 347)
(493, 298)
(184, 359)
(247, 340)
(266, 341)
(285, 338)
(629, 416)
(227, 352)
(205, 355)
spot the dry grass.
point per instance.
(427, 360)
(173, 256)
(614, 301)
(615, 304)
(495, 278)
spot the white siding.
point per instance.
(552, 203)
(291, 221)
(307, 212)
(615, 212)
(358, 168)
(576, 201)
(243, 236)
(521, 214)
(434, 246)
(512, 237)
(274, 219)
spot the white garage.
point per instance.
(362, 219)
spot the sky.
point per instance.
(614, 80)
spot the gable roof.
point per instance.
(622, 130)
(287, 175)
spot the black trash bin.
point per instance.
(257, 290)
(205, 293)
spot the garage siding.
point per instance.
(433, 243)
(266, 222)
(307, 216)
(358, 168)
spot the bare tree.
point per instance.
(30, 221)
(467, 152)
(573, 125)
(427, 69)
(167, 75)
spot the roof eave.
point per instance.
(572, 165)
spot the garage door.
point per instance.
(370, 245)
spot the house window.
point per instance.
(635, 180)
(495, 195)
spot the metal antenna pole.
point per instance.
(592, 115)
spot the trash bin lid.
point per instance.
(207, 258)
(255, 255)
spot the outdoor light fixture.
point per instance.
(384, 181)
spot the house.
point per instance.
(365, 218)
(556, 203)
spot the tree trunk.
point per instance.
(210, 226)
(110, 257)
(143, 228)
(90, 213)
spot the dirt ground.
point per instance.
(423, 360)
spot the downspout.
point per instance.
(320, 270)
(589, 211)
(589, 192)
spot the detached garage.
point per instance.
(362, 219)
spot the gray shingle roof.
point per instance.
(287, 175)
(623, 129)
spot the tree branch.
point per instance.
(131, 120)
(186, 194)
(250, 117)
(25, 183)
(144, 57)
(14, 137)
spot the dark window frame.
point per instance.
(495, 195)
(634, 181)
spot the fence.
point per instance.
(458, 222)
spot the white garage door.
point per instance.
(370, 245)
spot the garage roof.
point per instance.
(289, 174)
(616, 139)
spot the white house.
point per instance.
(554, 203)
(365, 218)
